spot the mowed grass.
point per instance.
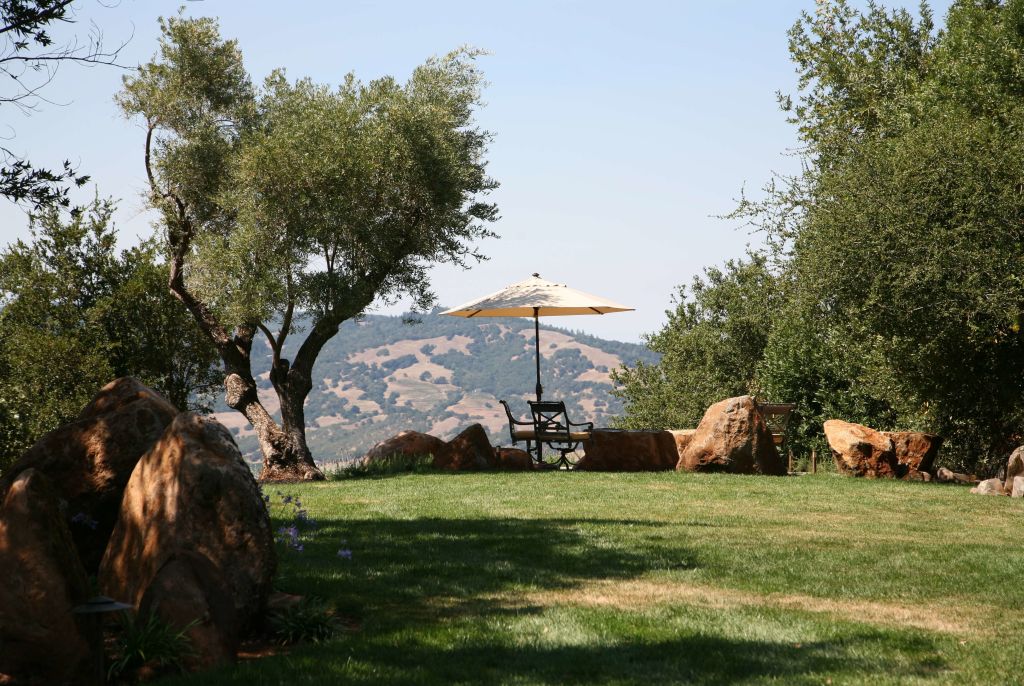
(574, 578)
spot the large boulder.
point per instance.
(915, 450)
(43, 580)
(989, 487)
(469, 451)
(406, 444)
(1014, 468)
(188, 593)
(860, 451)
(1017, 487)
(732, 437)
(614, 450)
(193, 492)
(90, 460)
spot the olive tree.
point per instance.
(292, 207)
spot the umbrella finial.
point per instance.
(536, 275)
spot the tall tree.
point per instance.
(76, 313)
(300, 201)
(29, 59)
(710, 347)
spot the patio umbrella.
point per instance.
(536, 297)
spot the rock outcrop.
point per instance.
(43, 581)
(469, 451)
(612, 450)
(947, 476)
(1014, 468)
(732, 437)
(407, 444)
(989, 487)
(193, 492)
(90, 460)
(861, 451)
(915, 450)
(1017, 487)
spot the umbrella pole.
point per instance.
(536, 338)
(540, 389)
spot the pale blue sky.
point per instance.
(622, 129)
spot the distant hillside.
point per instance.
(381, 375)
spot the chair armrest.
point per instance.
(589, 425)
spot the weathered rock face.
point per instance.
(860, 451)
(732, 437)
(1014, 468)
(406, 443)
(470, 450)
(192, 492)
(612, 450)
(1017, 487)
(42, 581)
(189, 591)
(90, 460)
(513, 459)
(914, 449)
(682, 438)
(989, 487)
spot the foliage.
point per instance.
(310, 619)
(29, 59)
(299, 197)
(897, 249)
(77, 314)
(655, 578)
(710, 347)
(150, 640)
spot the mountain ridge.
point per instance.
(380, 375)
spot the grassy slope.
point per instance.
(554, 578)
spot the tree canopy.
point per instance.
(300, 197)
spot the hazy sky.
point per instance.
(622, 129)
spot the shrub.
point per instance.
(308, 620)
(150, 640)
(384, 466)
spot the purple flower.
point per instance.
(345, 553)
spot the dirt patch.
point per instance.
(635, 594)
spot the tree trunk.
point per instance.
(286, 456)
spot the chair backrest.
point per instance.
(550, 418)
(776, 416)
(512, 421)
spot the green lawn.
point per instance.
(566, 578)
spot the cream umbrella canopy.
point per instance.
(536, 297)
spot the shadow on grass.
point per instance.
(437, 601)
(412, 563)
(694, 658)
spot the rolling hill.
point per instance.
(381, 375)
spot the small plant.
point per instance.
(310, 619)
(384, 466)
(150, 640)
(291, 509)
